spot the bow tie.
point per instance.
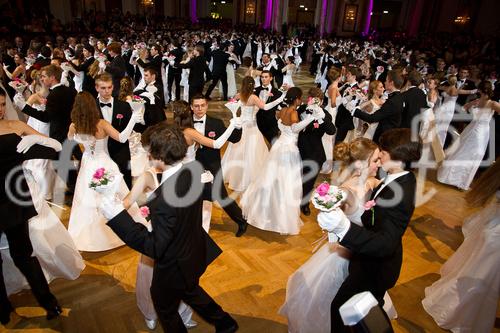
(104, 105)
(197, 121)
(268, 88)
(309, 112)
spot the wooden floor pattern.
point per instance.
(249, 278)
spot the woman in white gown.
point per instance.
(312, 287)
(242, 161)
(465, 298)
(185, 76)
(272, 201)
(288, 70)
(444, 114)
(460, 167)
(87, 225)
(375, 102)
(230, 70)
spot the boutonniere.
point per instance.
(380, 69)
(315, 124)
(270, 94)
(211, 134)
(119, 116)
(145, 212)
(369, 206)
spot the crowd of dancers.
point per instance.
(103, 104)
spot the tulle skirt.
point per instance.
(52, 245)
(272, 201)
(465, 298)
(242, 161)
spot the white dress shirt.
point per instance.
(264, 93)
(390, 177)
(170, 172)
(107, 112)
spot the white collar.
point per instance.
(170, 171)
(352, 84)
(102, 101)
(388, 179)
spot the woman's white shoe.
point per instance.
(151, 323)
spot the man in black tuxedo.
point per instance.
(278, 70)
(267, 65)
(180, 247)
(266, 119)
(220, 60)
(311, 147)
(116, 67)
(88, 81)
(463, 83)
(414, 100)
(343, 121)
(118, 114)
(8, 58)
(210, 158)
(389, 115)
(175, 71)
(377, 252)
(154, 108)
(59, 103)
(197, 70)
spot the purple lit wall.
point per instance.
(269, 14)
(323, 18)
(330, 14)
(192, 11)
(366, 30)
(415, 20)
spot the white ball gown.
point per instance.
(242, 161)
(87, 225)
(465, 298)
(272, 201)
(460, 167)
(327, 139)
(312, 288)
(287, 79)
(444, 115)
(52, 244)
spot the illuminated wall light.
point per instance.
(301, 6)
(222, 2)
(386, 12)
(305, 9)
(371, 13)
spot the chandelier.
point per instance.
(147, 3)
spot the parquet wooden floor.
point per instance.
(250, 276)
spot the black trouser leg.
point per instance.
(170, 81)
(229, 205)
(223, 80)
(341, 134)
(166, 302)
(177, 81)
(215, 80)
(21, 252)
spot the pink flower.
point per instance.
(380, 69)
(323, 188)
(232, 100)
(310, 100)
(327, 198)
(316, 125)
(270, 94)
(144, 211)
(211, 134)
(119, 116)
(98, 173)
(370, 204)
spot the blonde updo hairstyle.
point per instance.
(360, 149)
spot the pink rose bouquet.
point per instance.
(105, 182)
(327, 197)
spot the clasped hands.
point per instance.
(334, 222)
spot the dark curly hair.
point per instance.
(397, 142)
(165, 143)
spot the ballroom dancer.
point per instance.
(220, 59)
(333, 99)
(17, 208)
(266, 119)
(376, 248)
(312, 287)
(197, 66)
(460, 166)
(211, 160)
(272, 201)
(242, 161)
(465, 298)
(190, 250)
(86, 224)
(311, 147)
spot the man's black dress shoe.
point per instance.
(53, 312)
(5, 316)
(242, 228)
(226, 325)
(305, 210)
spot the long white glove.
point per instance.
(19, 101)
(334, 222)
(34, 139)
(110, 207)
(274, 103)
(221, 140)
(317, 112)
(136, 117)
(297, 127)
